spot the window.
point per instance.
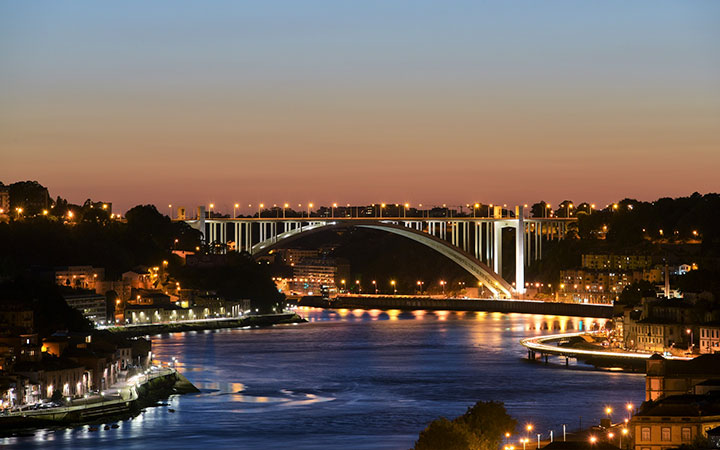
(686, 434)
(645, 434)
(665, 434)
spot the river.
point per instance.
(358, 379)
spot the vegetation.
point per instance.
(482, 427)
(48, 234)
(235, 276)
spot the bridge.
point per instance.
(545, 346)
(474, 243)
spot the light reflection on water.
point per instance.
(357, 379)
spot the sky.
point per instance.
(192, 102)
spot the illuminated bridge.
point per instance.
(474, 243)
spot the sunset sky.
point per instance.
(359, 102)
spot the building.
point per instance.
(149, 314)
(313, 275)
(709, 338)
(16, 317)
(93, 306)
(619, 263)
(83, 277)
(659, 325)
(674, 421)
(678, 377)
(52, 374)
(292, 256)
(591, 285)
(652, 336)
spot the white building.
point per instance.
(709, 338)
(91, 305)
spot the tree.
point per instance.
(489, 421)
(482, 427)
(633, 293)
(448, 435)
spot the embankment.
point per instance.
(442, 304)
(264, 320)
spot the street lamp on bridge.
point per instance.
(235, 207)
(392, 282)
(375, 286)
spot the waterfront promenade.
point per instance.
(119, 399)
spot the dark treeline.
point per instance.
(145, 238)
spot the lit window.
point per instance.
(665, 434)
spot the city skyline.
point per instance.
(361, 103)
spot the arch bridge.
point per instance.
(473, 243)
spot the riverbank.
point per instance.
(264, 320)
(126, 401)
(437, 304)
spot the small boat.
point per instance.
(171, 410)
(114, 426)
(93, 428)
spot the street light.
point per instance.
(235, 207)
(359, 287)
(332, 210)
(260, 207)
(284, 206)
(629, 408)
(443, 283)
(310, 205)
(475, 208)
(169, 207)
(375, 285)
(382, 205)
(212, 205)
(691, 347)
(392, 282)
(608, 411)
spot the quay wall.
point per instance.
(502, 306)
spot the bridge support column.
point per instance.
(488, 246)
(519, 251)
(497, 247)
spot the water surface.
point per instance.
(358, 379)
